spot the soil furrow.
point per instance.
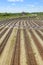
(39, 34)
(16, 54)
(40, 48)
(3, 32)
(5, 41)
(30, 55)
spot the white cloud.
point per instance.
(15, 0)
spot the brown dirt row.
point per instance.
(30, 55)
(40, 48)
(3, 32)
(1, 28)
(42, 30)
(39, 34)
(39, 23)
(27, 24)
(16, 54)
(5, 41)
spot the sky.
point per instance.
(16, 6)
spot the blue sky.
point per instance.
(21, 5)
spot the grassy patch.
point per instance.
(37, 15)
